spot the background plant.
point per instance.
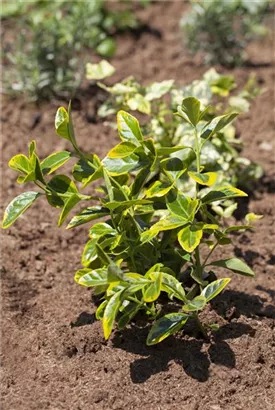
(158, 101)
(44, 60)
(152, 236)
(222, 29)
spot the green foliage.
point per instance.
(152, 235)
(158, 101)
(46, 57)
(221, 29)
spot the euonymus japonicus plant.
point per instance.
(150, 235)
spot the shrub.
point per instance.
(151, 238)
(52, 37)
(222, 29)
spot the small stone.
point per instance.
(265, 146)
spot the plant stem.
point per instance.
(198, 263)
(200, 325)
(210, 253)
(198, 154)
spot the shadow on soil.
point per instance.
(233, 304)
(194, 355)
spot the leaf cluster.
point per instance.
(221, 29)
(159, 100)
(148, 236)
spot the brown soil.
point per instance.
(53, 353)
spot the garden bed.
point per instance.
(53, 352)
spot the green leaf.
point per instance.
(125, 204)
(62, 123)
(139, 182)
(190, 236)
(182, 205)
(115, 274)
(122, 150)
(222, 193)
(90, 252)
(190, 108)
(238, 228)
(62, 187)
(102, 229)
(217, 124)
(170, 150)
(173, 167)
(172, 286)
(152, 291)
(54, 161)
(158, 189)
(235, 265)
(82, 170)
(118, 166)
(32, 148)
(250, 217)
(148, 235)
(128, 313)
(17, 206)
(100, 310)
(214, 288)
(167, 223)
(166, 326)
(158, 89)
(196, 304)
(107, 47)
(139, 103)
(110, 313)
(128, 127)
(20, 163)
(207, 178)
(89, 277)
(68, 206)
(87, 215)
(99, 71)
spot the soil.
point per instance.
(54, 356)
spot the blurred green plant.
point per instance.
(157, 102)
(46, 58)
(221, 29)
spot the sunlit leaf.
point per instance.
(128, 127)
(122, 150)
(190, 236)
(17, 206)
(207, 178)
(99, 71)
(158, 89)
(196, 304)
(158, 189)
(214, 288)
(222, 193)
(68, 206)
(217, 124)
(87, 215)
(182, 205)
(166, 326)
(110, 313)
(54, 161)
(152, 291)
(235, 265)
(89, 277)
